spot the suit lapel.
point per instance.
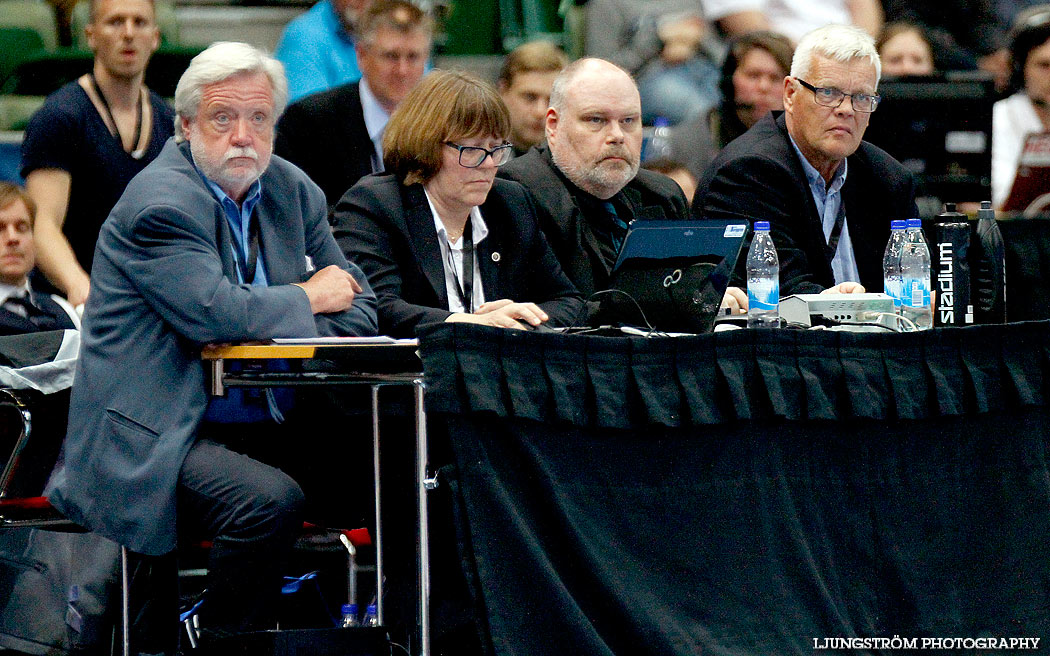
(356, 134)
(12, 323)
(423, 239)
(281, 264)
(488, 252)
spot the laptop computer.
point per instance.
(672, 275)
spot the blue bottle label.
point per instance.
(763, 294)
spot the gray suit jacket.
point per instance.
(163, 284)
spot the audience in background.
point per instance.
(905, 50)
(676, 171)
(23, 310)
(794, 18)
(90, 138)
(585, 180)
(525, 87)
(965, 34)
(440, 238)
(752, 85)
(1028, 109)
(827, 195)
(336, 136)
(318, 48)
(670, 46)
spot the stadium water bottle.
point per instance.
(349, 616)
(989, 269)
(891, 263)
(371, 616)
(763, 280)
(659, 145)
(915, 277)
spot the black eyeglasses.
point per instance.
(471, 157)
(832, 97)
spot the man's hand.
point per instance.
(845, 288)
(735, 299)
(330, 290)
(504, 313)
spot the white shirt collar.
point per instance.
(7, 291)
(454, 251)
(376, 117)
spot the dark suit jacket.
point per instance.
(324, 134)
(648, 196)
(388, 230)
(12, 323)
(163, 284)
(758, 177)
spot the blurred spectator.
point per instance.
(752, 84)
(905, 50)
(1026, 111)
(23, 310)
(318, 48)
(525, 86)
(965, 34)
(793, 18)
(677, 172)
(336, 136)
(669, 46)
(90, 138)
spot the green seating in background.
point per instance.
(166, 21)
(16, 45)
(16, 110)
(45, 72)
(33, 14)
(493, 27)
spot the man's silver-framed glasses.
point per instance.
(832, 97)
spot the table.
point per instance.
(750, 492)
(376, 365)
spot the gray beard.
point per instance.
(599, 182)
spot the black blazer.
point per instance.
(324, 134)
(758, 177)
(388, 230)
(648, 196)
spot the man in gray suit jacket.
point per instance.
(213, 242)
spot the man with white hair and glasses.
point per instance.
(828, 196)
(215, 241)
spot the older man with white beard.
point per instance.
(585, 180)
(214, 241)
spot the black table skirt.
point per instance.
(749, 492)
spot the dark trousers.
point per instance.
(250, 511)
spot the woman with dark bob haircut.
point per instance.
(440, 238)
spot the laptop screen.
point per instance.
(676, 272)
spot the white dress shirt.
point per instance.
(376, 119)
(452, 256)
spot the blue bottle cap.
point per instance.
(661, 122)
(898, 224)
(914, 223)
(761, 226)
(349, 609)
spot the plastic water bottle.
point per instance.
(659, 145)
(349, 616)
(371, 616)
(891, 263)
(915, 277)
(989, 269)
(763, 280)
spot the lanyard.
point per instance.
(247, 265)
(464, 290)
(138, 149)
(836, 232)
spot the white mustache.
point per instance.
(237, 151)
